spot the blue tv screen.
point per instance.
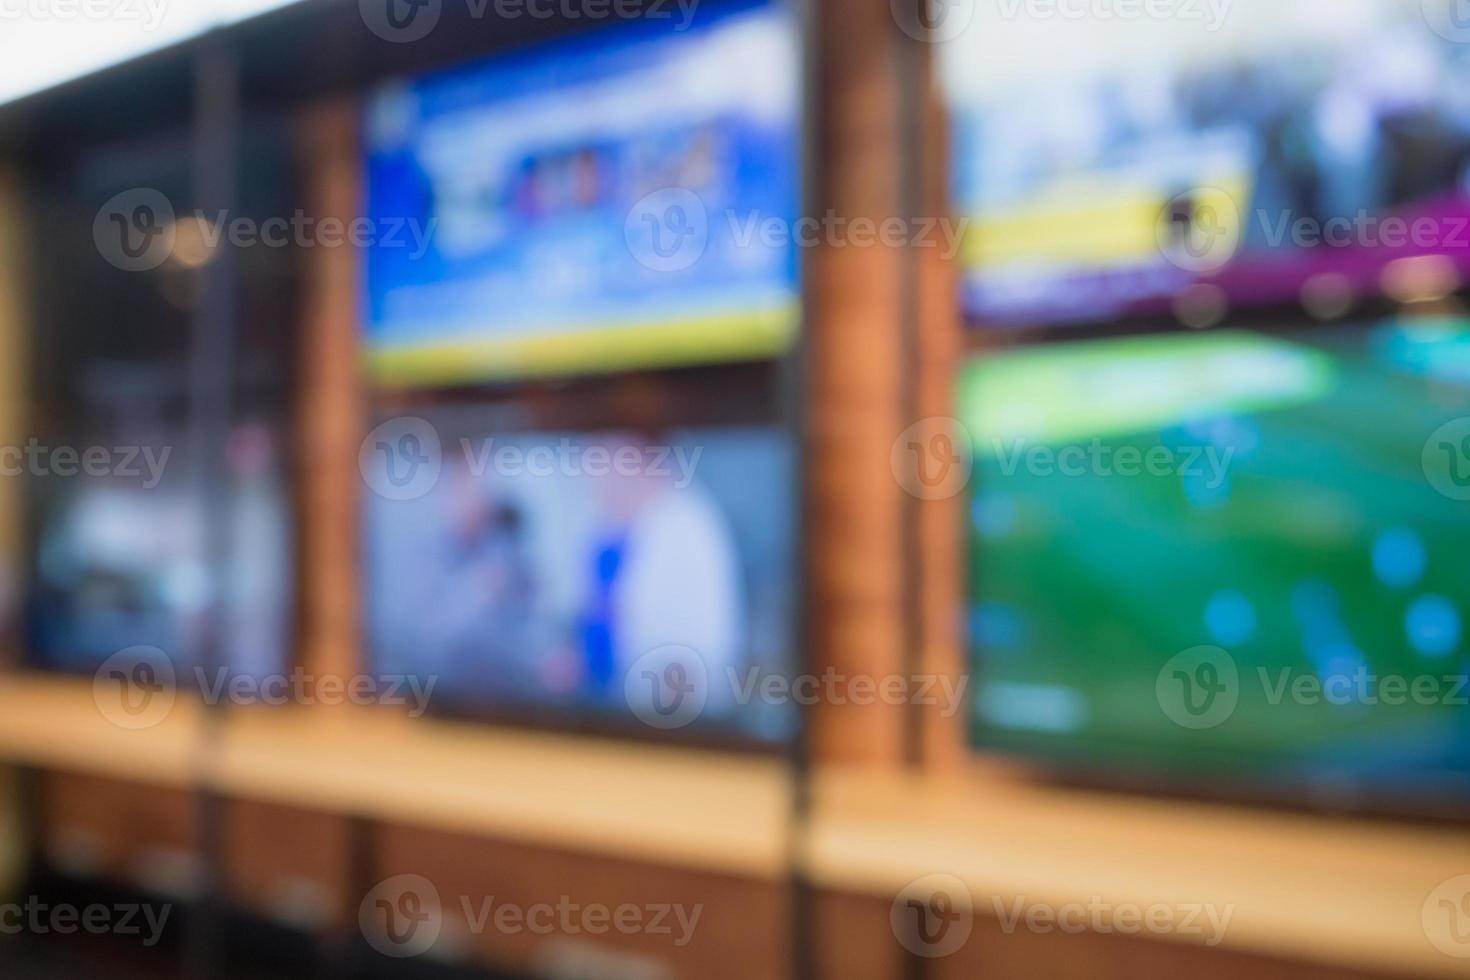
(588, 205)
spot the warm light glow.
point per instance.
(1421, 279)
(194, 242)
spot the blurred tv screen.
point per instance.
(1281, 153)
(582, 205)
(118, 552)
(544, 572)
(121, 557)
(1233, 558)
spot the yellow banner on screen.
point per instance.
(1086, 223)
(744, 336)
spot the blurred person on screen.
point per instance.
(482, 614)
(665, 571)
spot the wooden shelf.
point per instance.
(668, 806)
(676, 807)
(54, 722)
(1307, 887)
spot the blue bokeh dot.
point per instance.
(1399, 558)
(997, 626)
(1433, 625)
(994, 514)
(1230, 618)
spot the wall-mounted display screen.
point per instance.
(118, 524)
(599, 577)
(121, 558)
(1233, 558)
(590, 205)
(1278, 152)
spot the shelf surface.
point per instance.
(710, 811)
(56, 722)
(1299, 886)
(669, 806)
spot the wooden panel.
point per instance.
(858, 944)
(940, 523)
(854, 505)
(142, 835)
(731, 927)
(14, 394)
(289, 865)
(14, 409)
(853, 938)
(331, 405)
(1314, 888)
(1022, 955)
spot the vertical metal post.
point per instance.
(911, 64)
(216, 137)
(796, 401)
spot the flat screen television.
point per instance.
(121, 556)
(1229, 561)
(116, 516)
(1270, 155)
(593, 204)
(587, 578)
